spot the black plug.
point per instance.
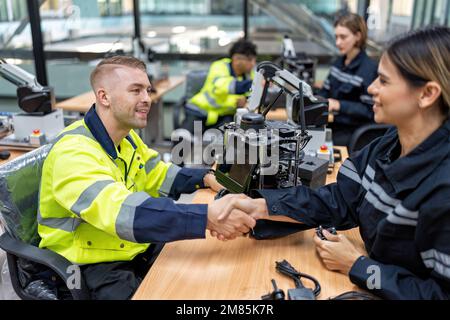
(301, 294)
(4, 154)
(276, 294)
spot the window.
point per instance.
(191, 26)
(389, 18)
(309, 23)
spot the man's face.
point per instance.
(245, 63)
(130, 100)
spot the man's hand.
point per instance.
(242, 102)
(333, 105)
(235, 224)
(257, 208)
(210, 181)
(337, 252)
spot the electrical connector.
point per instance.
(301, 294)
(276, 294)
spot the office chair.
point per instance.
(194, 83)
(365, 135)
(29, 266)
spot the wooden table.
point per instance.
(238, 269)
(83, 102)
(14, 154)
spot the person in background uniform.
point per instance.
(396, 189)
(106, 198)
(349, 78)
(225, 88)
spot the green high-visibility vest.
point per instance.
(217, 96)
(87, 198)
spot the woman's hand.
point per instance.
(333, 105)
(337, 253)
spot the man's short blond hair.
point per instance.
(108, 64)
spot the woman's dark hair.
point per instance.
(423, 55)
(244, 47)
(355, 24)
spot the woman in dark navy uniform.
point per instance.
(349, 78)
(396, 189)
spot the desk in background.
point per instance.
(83, 102)
(238, 269)
(153, 134)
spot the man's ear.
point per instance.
(102, 96)
(430, 94)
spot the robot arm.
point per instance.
(32, 97)
(18, 76)
(291, 85)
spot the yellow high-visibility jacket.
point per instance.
(221, 91)
(101, 203)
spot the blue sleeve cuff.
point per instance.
(197, 219)
(163, 220)
(344, 107)
(243, 86)
(284, 202)
(187, 180)
(360, 271)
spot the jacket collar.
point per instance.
(355, 63)
(408, 171)
(98, 130)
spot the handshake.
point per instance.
(235, 215)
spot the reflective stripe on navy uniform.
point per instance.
(349, 84)
(402, 207)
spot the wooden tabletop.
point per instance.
(14, 154)
(238, 269)
(83, 102)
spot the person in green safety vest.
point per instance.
(107, 200)
(225, 89)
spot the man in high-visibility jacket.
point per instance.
(225, 88)
(100, 204)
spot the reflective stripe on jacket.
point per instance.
(99, 203)
(221, 91)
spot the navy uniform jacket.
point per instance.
(349, 84)
(402, 208)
